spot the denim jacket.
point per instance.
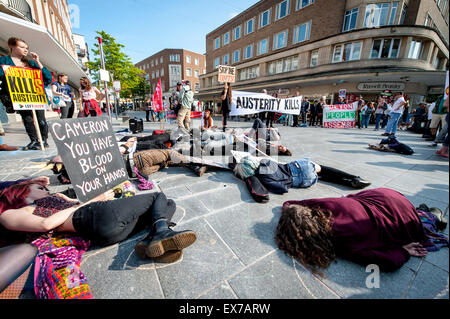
(303, 173)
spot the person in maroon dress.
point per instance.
(378, 226)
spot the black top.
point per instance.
(225, 103)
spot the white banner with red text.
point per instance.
(340, 116)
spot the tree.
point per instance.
(117, 63)
(142, 89)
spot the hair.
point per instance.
(13, 42)
(247, 167)
(88, 85)
(207, 122)
(60, 76)
(230, 93)
(306, 234)
(287, 153)
(14, 196)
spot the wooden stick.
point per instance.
(38, 130)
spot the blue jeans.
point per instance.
(393, 123)
(365, 121)
(378, 121)
(303, 173)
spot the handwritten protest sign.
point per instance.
(340, 116)
(227, 74)
(90, 155)
(26, 88)
(244, 103)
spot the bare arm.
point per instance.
(99, 94)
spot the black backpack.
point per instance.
(259, 193)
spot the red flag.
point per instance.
(157, 99)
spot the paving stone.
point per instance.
(190, 208)
(223, 291)
(277, 277)
(439, 258)
(431, 282)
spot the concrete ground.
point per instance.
(235, 256)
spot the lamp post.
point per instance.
(102, 61)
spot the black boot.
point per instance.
(441, 223)
(163, 239)
(357, 183)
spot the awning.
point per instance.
(40, 40)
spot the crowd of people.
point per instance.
(377, 226)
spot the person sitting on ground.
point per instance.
(391, 144)
(303, 173)
(208, 122)
(378, 226)
(30, 209)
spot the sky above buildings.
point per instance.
(147, 26)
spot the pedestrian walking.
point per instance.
(395, 114)
(90, 98)
(380, 112)
(64, 92)
(18, 57)
(366, 113)
(186, 98)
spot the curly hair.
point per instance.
(306, 234)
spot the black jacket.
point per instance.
(277, 178)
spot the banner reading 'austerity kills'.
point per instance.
(340, 116)
(26, 88)
(244, 103)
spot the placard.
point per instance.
(227, 74)
(340, 116)
(26, 88)
(90, 155)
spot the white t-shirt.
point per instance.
(396, 107)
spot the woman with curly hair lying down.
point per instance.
(378, 226)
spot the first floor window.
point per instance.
(350, 18)
(248, 52)
(226, 59)
(236, 56)
(249, 73)
(216, 63)
(314, 58)
(217, 43)
(188, 72)
(415, 52)
(283, 65)
(347, 52)
(263, 46)
(385, 49)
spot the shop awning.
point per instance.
(40, 40)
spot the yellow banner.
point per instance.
(26, 88)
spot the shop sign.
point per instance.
(380, 86)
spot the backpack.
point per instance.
(188, 99)
(259, 193)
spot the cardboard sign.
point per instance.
(117, 86)
(245, 103)
(343, 93)
(227, 74)
(340, 116)
(26, 88)
(446, 87)
(90, 155)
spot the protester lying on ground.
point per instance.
(143, 143)
(279, 178)
(378, 226)
(7, 148)
(391, 144)
(29, 209)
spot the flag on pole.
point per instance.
(157, 99)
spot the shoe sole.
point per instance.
(177, 242)
(169, 257)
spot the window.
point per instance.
(162, 72)
(161, 60)
(156, 62)
(283, 9)
(175, 70)
(152, 64)
(264, 18)
(436, 63)
(197, 73)
(393, 13)
(280, 40)
(303, 3)
(157, 73)
(263, 46)
(188, 59)
(350, 18)
(428, 21)
(314, 58)
(188, 72)
(237, 33)
(217, 43)
(405, 8)
(302, 32)
(174, 58)
(153, 75)
(236, 56)
(347, 52)
(204, 71)
(249, 73)
(226, 59)
(416, 49)
(216, 63)
(250, 26)
(197, 86)
(197, 62)
(284, 65)
(376, 15)
(226, 38)
(248, 51)
(385, 49)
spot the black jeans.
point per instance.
(335, 176)
(67, 112)
(270, 118)
(108, 223)
(28, 122)
(313, 120)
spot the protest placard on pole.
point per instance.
(227, 74)
(340, 116)
(27, 92)
(246, 103)
(447, 82)
(90, 155)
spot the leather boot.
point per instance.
(441, 223)
(359, 183)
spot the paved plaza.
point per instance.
(235, 256)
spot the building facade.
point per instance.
(172, 66)
(320, 47)
(82, 50)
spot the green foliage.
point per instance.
(118, 64)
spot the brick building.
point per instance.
(172, 66)
(318, 47)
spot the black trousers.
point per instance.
(335, 176)
(27, 118)
(108, 223)
(270, 118)
(295, 120)
(67, 112)
(313, 120)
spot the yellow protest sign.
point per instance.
(26, 88)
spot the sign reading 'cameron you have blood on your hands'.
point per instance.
(90, 155)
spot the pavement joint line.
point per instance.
(413, 278)
(159, 285)
(301, 280)
(237, 272)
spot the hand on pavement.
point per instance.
(416, 250)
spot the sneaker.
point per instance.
(359, 183)
(385, 134)
(434, 144)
